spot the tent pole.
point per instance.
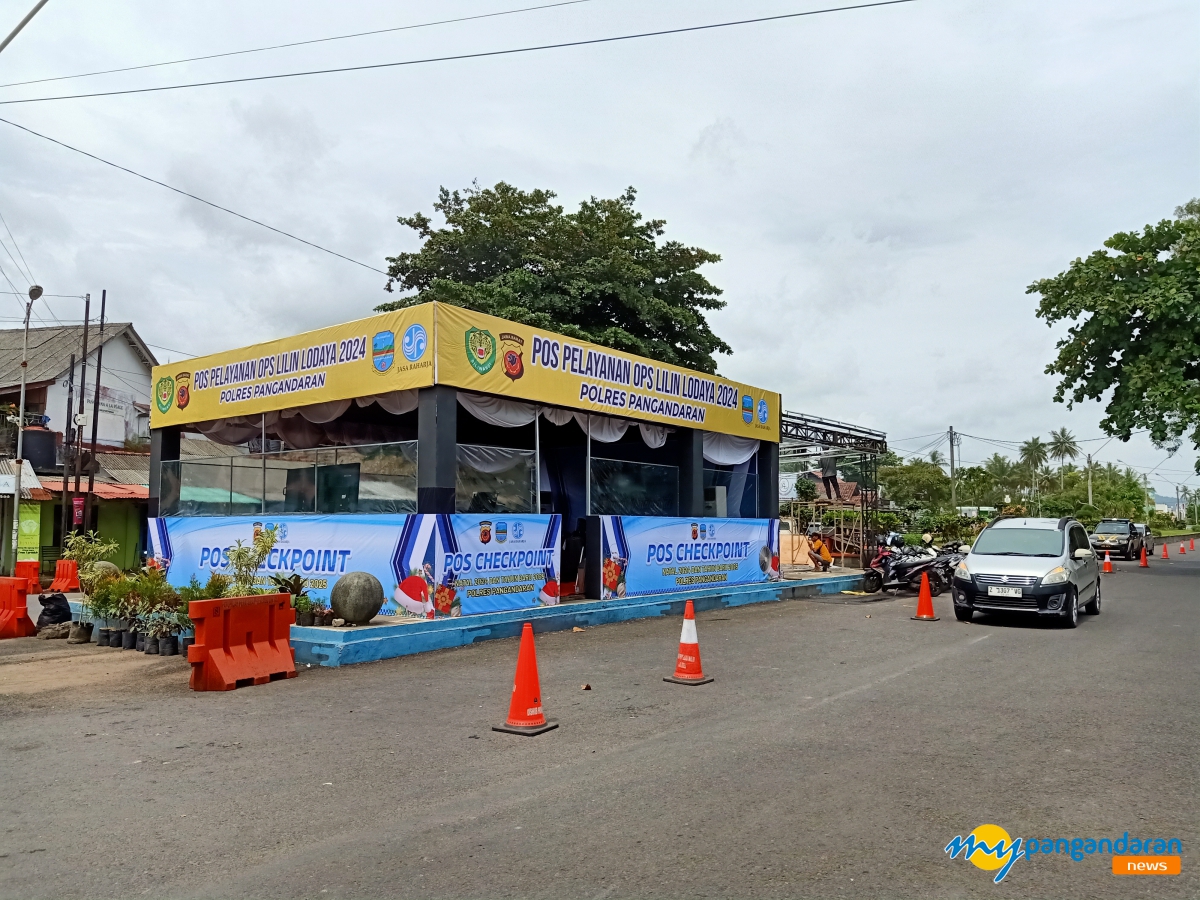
(537, 460)
(587, 471)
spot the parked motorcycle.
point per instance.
(901, 567)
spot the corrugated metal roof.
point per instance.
(30, 484)
(50, 349)
(101, 489)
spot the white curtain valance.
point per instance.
(727, 449)
(654, 435)
(557, 416)
(318, 413)
(497, 410)
(603, 428)
(395, 402)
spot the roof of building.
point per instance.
(103, 490)
(50, 350)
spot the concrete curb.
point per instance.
(347, 646)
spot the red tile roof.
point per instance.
(102, 490)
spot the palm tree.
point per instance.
(1063, 446)
(936, 457)
(1033, 455)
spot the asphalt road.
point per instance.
(838, 751)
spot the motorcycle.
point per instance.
(901, 567)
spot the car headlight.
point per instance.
(962, 572)
(1057, 575)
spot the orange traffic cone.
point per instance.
(525, 713)
(1181, 549)
(1166, 555)
(687, 663)
(1107, 567)
(1144, 564)
(1191, 543)
(925, 601)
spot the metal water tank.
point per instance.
(38, 446)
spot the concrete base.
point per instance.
(346, 646)
(687, 681)
(527, 730)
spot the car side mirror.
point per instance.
(1084, 553)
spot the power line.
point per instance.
(461, 56)
(339, 37)
(28, 268)
(194, 197)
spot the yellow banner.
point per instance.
(388, 352)
(495, 356)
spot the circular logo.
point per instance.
(763, 412)
(989, 841)
(414, 343)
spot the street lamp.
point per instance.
(34, 293)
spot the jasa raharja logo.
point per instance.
(747, 408)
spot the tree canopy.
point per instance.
(1135, 329)
(599, 273)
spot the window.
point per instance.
(1079, 539)
(1019, 542)
(1112, 528)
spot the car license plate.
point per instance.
(994, 591)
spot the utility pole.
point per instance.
(87, 498)
(953, 486)
(1089, 464)
(34, 293)
(68, 446)
(87, 318)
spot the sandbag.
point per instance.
(55, 609)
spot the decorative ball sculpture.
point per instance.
(357, 597)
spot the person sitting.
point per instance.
(819, 553)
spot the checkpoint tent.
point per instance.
(437, 409)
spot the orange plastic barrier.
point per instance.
(14, 617)
(28, 569)
(241, 641)
(66, 577)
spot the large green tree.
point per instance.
(599, 273)
(1134, 310)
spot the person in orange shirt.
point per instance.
(818, 553)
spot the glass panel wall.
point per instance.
(622, 488)
(495, 480)
(375, 478)
(730, 495)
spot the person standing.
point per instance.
(829, 475)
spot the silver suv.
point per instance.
(1043, 567)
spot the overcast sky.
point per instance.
(882, 184)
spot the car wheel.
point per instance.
(872, 581)
(963, 613)
(1072, 617)
(1093, 608)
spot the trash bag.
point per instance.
(55, 609)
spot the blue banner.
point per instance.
(653, 555)
(429, 565)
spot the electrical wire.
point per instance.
(194, 197)
(461, 56)
(28, 268)
(339, 37)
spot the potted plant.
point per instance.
(304, 613)
(307, 611)
(81, 630)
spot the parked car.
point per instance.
(1041, 567)
(1147, 537)
(1117, 536)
